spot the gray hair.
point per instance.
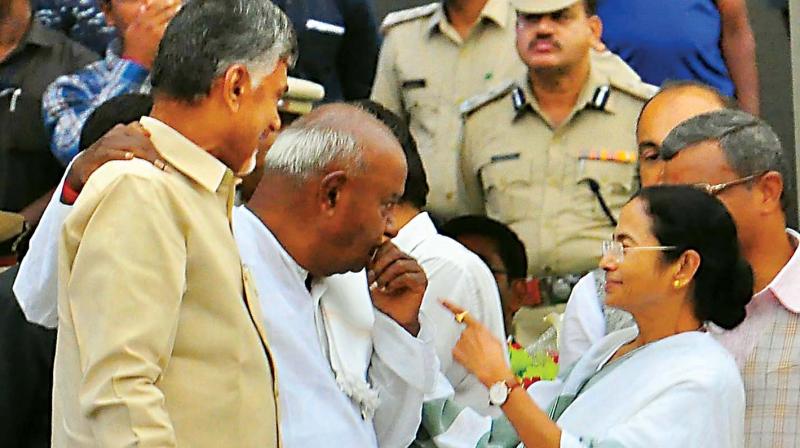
(208, 36)
(303, 151)
(749, 144)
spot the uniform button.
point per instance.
(450, 195)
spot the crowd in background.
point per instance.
(420, 219)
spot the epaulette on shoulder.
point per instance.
(407, 15)
(637, 89)
(476, 102)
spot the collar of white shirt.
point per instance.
(415, 232)
(343, 309)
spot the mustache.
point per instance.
(549, 40)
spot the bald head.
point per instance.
(674, 104)
(337, 136)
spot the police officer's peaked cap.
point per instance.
(300, 97)
(541, 6)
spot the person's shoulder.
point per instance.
(124, 175)
(705, 361)
(395, 20)
(74, 55)
(449, 252)
(487, 99)
(622, 77)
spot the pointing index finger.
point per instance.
(458, 311)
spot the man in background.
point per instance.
(31, 57)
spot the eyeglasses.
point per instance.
(616, 250)
(716, 189)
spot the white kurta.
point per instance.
(458, 275)
(313, 409)
(680, 391)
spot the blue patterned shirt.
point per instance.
(70, 100)
(81, 20)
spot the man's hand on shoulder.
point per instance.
(123, 142)
(397, 286)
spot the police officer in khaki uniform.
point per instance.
(553, 154)
(431, 62)
(433, 58)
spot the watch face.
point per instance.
(498, 393)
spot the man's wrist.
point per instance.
(69, 194)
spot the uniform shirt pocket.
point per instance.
(506, 184)
(421, 104)
(616, 181)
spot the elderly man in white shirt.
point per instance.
(454, 272)
(353, 361)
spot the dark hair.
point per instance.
(690, 219)
(206, 37)
(507, 243)
(416, 192)
(121, 109)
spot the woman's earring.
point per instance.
(677, 284)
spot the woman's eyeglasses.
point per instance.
(616, 250)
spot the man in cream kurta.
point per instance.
(157, 343)
(160, 341)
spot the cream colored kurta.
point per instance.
(159, 344)
(426, 71)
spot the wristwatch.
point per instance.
(499, 392)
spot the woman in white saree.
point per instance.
(674, 264)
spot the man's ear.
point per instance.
(770, 187)
(330, 189)
(235, 84)
(596, 25)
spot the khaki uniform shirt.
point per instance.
(426, 71)
(160, 341)
(522, 171)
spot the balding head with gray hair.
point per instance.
(206, 37)
(328, 135)
(749, 144)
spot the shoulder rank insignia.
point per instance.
(407, 15)
(518, 99)
(599, 100)
(476, 102)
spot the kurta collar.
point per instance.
(415, 232)
(287, 260)
(188, 158)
